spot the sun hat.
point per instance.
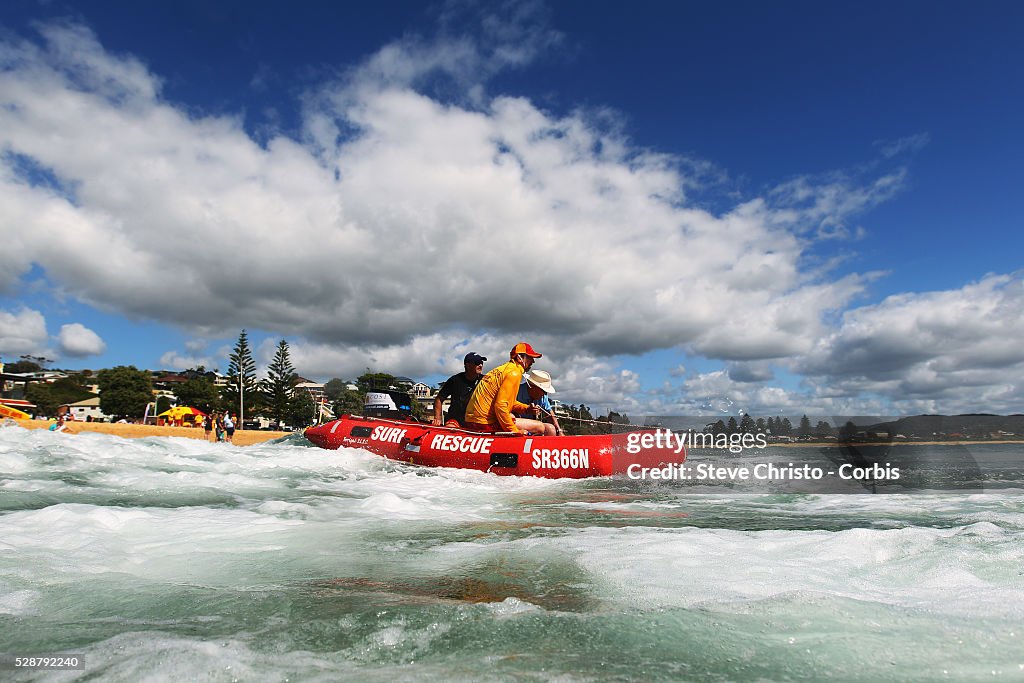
(523, 347)
(541, 380)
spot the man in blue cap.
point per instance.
(459, 387)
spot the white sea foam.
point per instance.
(290, 561)
(965, 570)
(211, 515)
(17, 601)
(511, 607)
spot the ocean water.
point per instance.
(176, 559)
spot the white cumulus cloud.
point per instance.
(424, 216)
(22, 332)
(78, 341)
(401, 227)
(945, 350)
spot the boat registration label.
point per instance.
(561, 458)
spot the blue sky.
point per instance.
(785, 207)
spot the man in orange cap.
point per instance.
(491, 405)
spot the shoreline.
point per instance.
(249, 437)
(243, 437)
(835, 444)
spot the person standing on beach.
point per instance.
(208, 427)
(229, 426)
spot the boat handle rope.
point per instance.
(604, 423)
(624, 428)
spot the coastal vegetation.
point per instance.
(916, 428)
(49, 397)
(131, 393)
(125, 391)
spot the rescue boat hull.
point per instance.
(554, 457)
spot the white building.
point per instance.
(89, 409)
(421, 390)
(314, 389)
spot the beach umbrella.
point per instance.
(181, 412)
(7, 411)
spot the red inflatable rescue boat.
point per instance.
(575, 457)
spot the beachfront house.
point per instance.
(87, 410)
(421, 390)
(314, 389)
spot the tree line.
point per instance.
(126, 391)
(579, 420)
(776, 426)
(275, 396)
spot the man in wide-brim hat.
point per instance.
(534, 392)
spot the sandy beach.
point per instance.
(249, 437)
(246, 437)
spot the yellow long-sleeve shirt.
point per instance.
(494, 398)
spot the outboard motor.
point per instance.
(393, 404)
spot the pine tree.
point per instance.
(242, 375)
(805, 426)
(279, 385)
